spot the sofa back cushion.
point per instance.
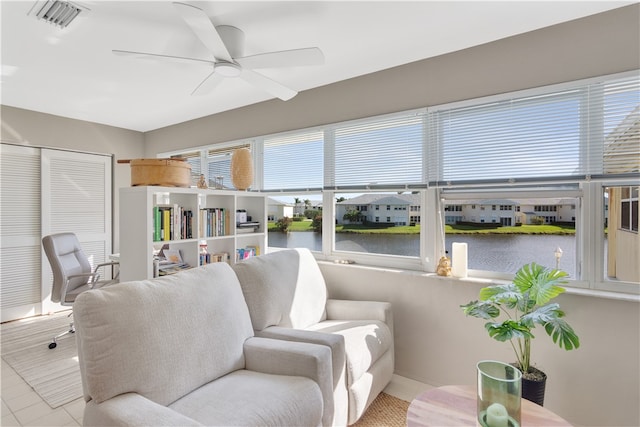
(161, 338)
(283, 288)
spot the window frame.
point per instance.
(589, 209)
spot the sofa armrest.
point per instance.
(132, 409)
(334, 341)
(360, 310)
(279, 357)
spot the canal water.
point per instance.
(491, 252)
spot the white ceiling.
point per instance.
(73, 73)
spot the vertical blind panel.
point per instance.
(379, 152)
(519, 138)
(78, 199)
(621, 126)
(294, 161)
(19, 276)
(20, 197)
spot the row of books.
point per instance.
(247, 252)
(172, 223)
(214, 222)
(207, 258)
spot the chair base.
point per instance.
(72, 330)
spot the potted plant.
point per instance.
(525, 303)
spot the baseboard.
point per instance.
(405, 388)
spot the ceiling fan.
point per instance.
(226, 43)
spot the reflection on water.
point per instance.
(491, 252)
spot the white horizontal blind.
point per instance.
(378, 153)
(568, 135)
(219, 164)
(620, 109)
(194, 160)
(294, 161)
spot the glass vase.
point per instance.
(499, 394)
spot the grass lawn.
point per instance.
(449, 229)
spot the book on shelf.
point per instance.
(247, 252)
(214, 222)
(172, 222)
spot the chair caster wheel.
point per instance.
(53, 345)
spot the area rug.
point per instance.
(385, 410)
(52, 373)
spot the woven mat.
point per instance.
(53, 374)
(386, 410)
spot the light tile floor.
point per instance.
(21, 406)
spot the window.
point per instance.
(303, 212)
(621, 242)
(219, 166)
(540, 156)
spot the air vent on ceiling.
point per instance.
(56, 12)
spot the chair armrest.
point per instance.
(132, 409)
(91, 278)
(106, 264)
(301, 359)
(334, 341)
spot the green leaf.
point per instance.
(562, 334)
(542, 315)
(507, 330)
(501, 294)
(481, 309)
(539, 282)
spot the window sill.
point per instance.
(620, 296)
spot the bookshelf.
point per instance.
(184, 218)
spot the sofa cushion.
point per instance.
(365, 341)
(162, 338)
(248, 398)
(283, 288)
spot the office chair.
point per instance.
(72, 273)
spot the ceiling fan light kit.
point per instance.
(226, 44)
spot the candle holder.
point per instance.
(499, 394)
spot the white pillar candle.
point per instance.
(459, 260)
(497, 416)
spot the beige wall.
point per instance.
(45, 130)
(595, 385)
(598, 45)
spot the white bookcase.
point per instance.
(139, 239)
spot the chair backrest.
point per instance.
(284, 288)
(66, 258)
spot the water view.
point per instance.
(491, 252)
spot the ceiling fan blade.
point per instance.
(285, 58)
(204, 29)
(208, 84)
(268, 85)
(157, 56)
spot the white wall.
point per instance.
(595, 385)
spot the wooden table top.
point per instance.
(455, 405)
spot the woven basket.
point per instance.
(162, 172)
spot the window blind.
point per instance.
(294, 162)
(378, 153)
(567, 135)
(219, 164)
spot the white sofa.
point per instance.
(287, 298)
(180, 350)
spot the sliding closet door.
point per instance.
(20, 273)
(47, 191)
(76, 197)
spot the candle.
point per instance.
(459, 259)
(497, 416)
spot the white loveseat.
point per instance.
(287, 298)
(180, 350)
